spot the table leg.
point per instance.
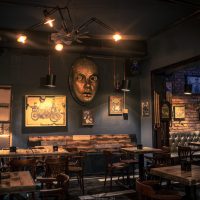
(141, 166)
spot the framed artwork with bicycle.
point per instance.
(45, 110)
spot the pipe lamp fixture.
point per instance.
(50, 77)
(64, 30)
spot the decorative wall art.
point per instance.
(165, 111)
(45, 110)
(116, 105)
(145, 106)
(179, 112)
(87, 118)
(84, 80)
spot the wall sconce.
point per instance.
(187, 89)
(50, 77)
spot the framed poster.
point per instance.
(145, 106)
(116, 105)
(165, 111)
(45, 110)
(179, 112)
(87, 118)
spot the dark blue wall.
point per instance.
(23, 72)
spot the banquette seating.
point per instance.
(182, 139)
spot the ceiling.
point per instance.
(138, 20)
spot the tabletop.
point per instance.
(33, 152)
(141, 151)
(20, 181)
(176, 174)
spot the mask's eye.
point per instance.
(79, 77)
(93, 78)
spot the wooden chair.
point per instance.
(130, 160)
(112, 166)
(184, 153)
(76, 166)
(49, 189)
(146, 190)
(55, 166)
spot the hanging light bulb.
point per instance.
(117, 37)
(59, 46)
(49, 21)
(21, 38)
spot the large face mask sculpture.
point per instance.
(84, 80)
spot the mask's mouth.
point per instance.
(87, 94)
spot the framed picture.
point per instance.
(87, 118)
(116, 105)
(45, 110)
(165, 111)
(195, 82)
(179, 112)
(145, 106)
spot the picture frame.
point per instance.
(145, 108)
(195, 82)
(116, 105)
(45, 110)
(87, 118)
(165, 111)
(179, 112)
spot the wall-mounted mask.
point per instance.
(84, 80)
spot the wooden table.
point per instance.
(187, 178)
(33, 152)
(16, 182)
(141, 153)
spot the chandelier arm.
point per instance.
(63, 20)
(96, 20)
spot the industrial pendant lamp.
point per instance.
(50, 77)
(187, 89)
(126, 85)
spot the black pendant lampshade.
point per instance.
(50, 80)
(126, 85)
(188, 89)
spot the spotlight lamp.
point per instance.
(22, 38)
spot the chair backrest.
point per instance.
(144, 191)
(23, 165)
(184, 153)
(162, 159)
(63, 182)
(55, 166)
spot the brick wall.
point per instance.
(191, 121)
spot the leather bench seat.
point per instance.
(182, 139)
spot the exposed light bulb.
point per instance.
(59, 47)
(22, 38)
(117, 37)
(49, 21)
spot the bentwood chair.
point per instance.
(55, 166)
(54, 188)
(113, 165)
(76, 167)
(148, 190)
